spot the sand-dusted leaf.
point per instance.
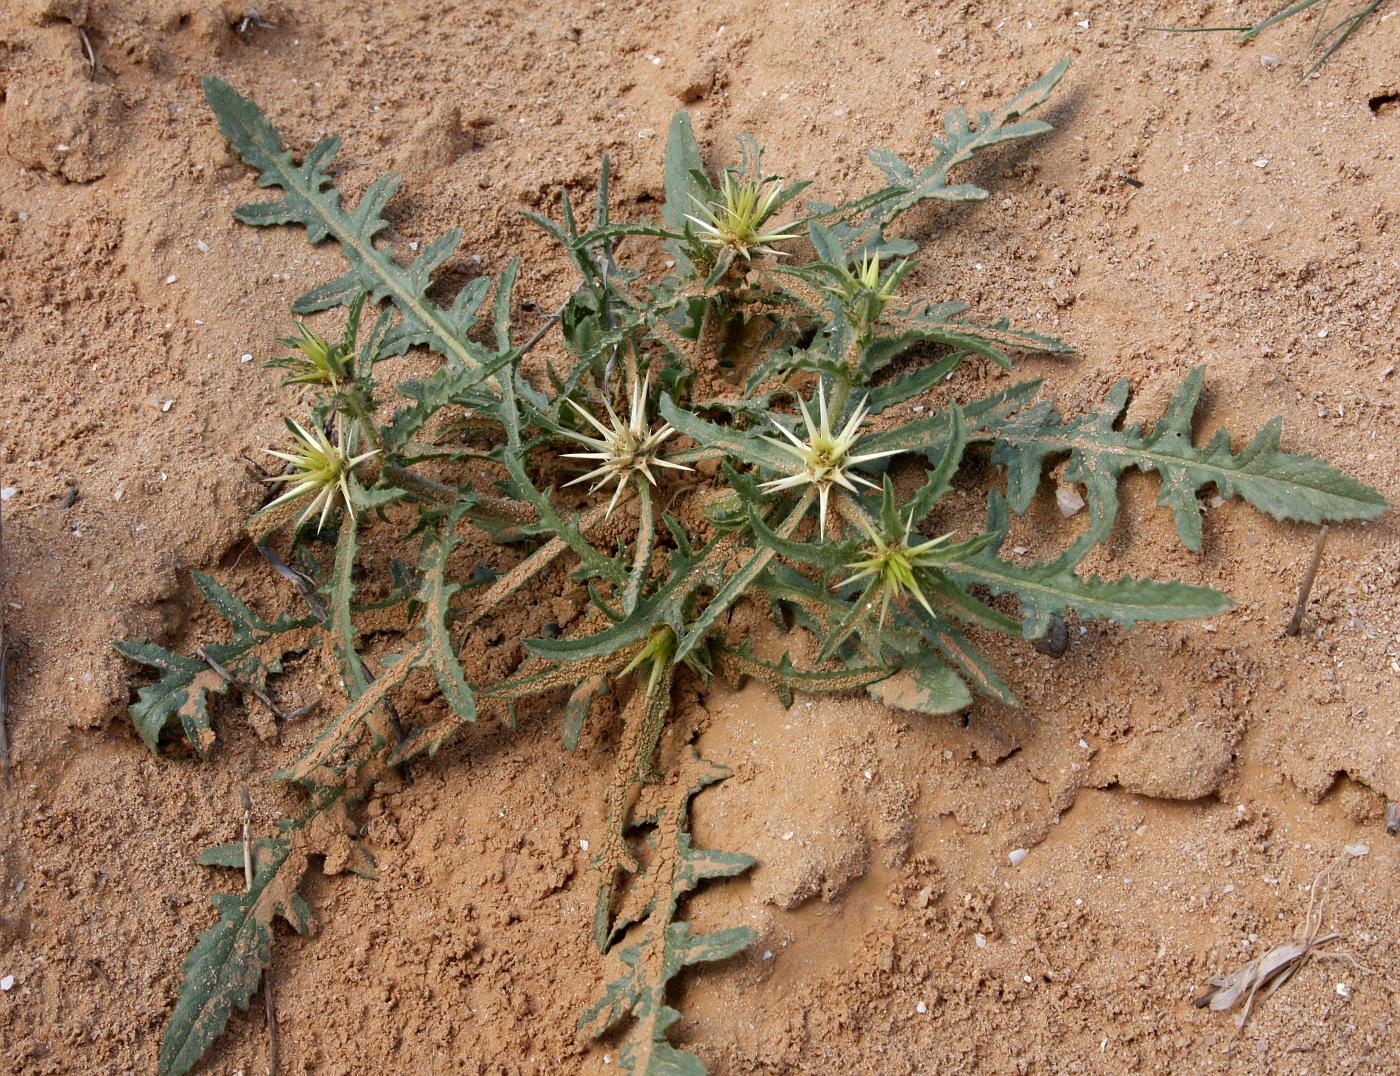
(667, 946)
(738, 583)
(898, 335)
(310, 199)
(968, 660)
(254, 650)
(340, 604)
(226, 966)
(439, 653)
(737, 663)
(1284, 485)
(349, 720)
(925, 685)
(577, 709)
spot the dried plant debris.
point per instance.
(1263, 975)
(768, 427)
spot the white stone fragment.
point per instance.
(1069, 499)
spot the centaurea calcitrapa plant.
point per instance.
(734, 434)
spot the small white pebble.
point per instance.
(1025, 978)
(167, 405)
(245, 358)
(201, 246)
(63, 147)
(171, 278)
(788, 835)
(1343, 991)
(583, 843)
(768, 954)
(1261, 162)
(1322, 333)
(1083, 743)
(7, 982)
(922, 1008)
(1358, 850)
(1268, 62)
(7, 493)
(1069, 500)
(118, 493)
(413, 245)
(1017, 855)
(981, 940)
(1020, 550)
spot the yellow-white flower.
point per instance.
(627, 448)
(320, 467)
(824, 458)
(735, 220)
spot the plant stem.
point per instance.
(359, 410)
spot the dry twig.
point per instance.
(244, 685)
(1305, 588)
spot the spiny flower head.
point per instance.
(737, 218)
(320, 467)
(864, 290)
(890, 562)
(825, 458)
(318, 362)
(625, 449)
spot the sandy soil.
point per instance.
(1177, 787)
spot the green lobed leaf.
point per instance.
(1049, 587)
(738, 444)
(961, 140)
(255, 648)
(310, 199)
(1284, 485)
(225, 967)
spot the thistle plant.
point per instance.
(805, 486)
